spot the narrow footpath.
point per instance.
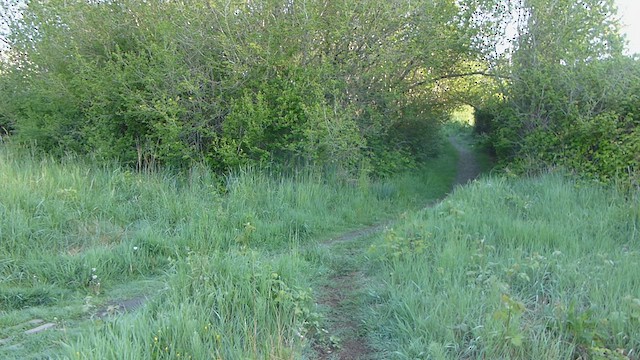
(346, 338)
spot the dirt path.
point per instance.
(340, 297)
(468, 167)
(346, 339)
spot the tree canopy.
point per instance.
(354, 85)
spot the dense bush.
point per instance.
(232, 82)
(588, 123)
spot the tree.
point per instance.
(569, 83)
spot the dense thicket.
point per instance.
(341, 84)
(572, 97)
(356, 85)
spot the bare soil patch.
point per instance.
(337, 297)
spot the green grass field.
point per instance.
(232, 267)
(227, 264)
(538, 268)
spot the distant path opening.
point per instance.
(468, 167)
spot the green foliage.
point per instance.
(497, 122)
(570, 100)
(287, 118)
(509, 315)
(337, 85)
(595, 134)
(231, 305)
(397, 247)
(483, 120)
(419, 138)
(604, 146)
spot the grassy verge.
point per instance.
(219, 258)
(539, 268)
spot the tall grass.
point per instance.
(219, 255)
(234, 305)
(538, 268)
